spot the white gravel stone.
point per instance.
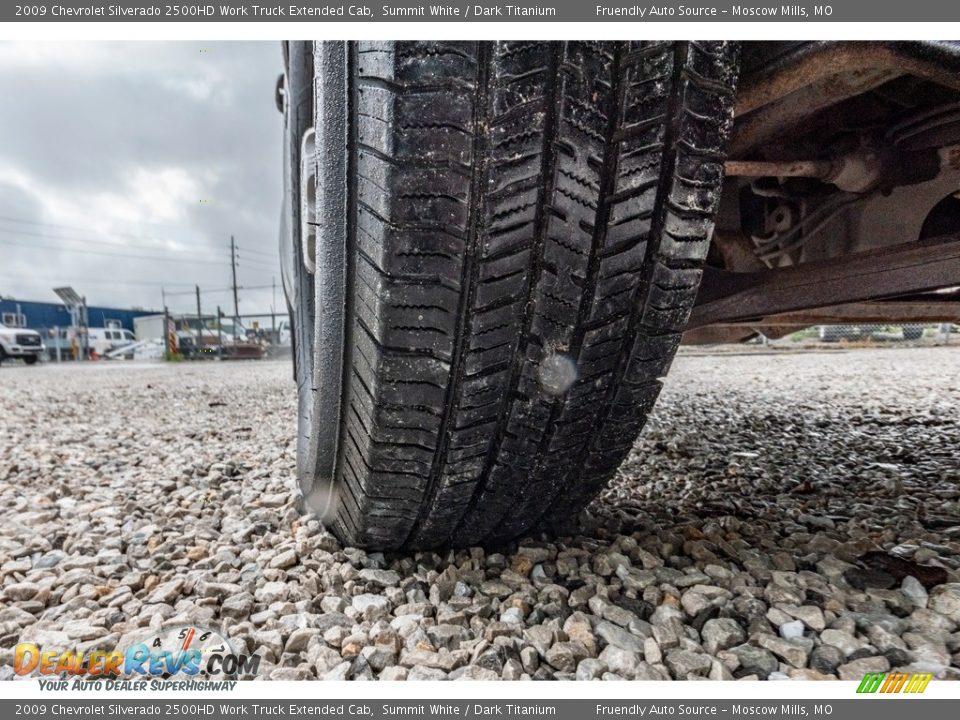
(945, 599)
(21, 591)
(792, 630)
(858, 668)
(370, 605)
(285, 559)
(810, 615)
(383, 578)
(720, 634)
(591, 669)
(565, 656)
(272, 592)
(846, 642)
(763, 564)
(687, 662)
(614, 635)
(167, 592)
(619, 661)
(916, 592)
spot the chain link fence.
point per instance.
(869, 336)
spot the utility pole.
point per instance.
(167, 349)
(199, 325)
(219, 334)
(236, 302)
(85, 320)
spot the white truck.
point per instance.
(20, 343)
(98, 341)
(148, 327)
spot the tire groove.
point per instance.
(553, 98)
(468, 284)
(608, 175)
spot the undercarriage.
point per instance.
(842, 197)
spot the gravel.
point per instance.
(782, 516)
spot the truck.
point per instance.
(491, 251)
(204, 336)
(20, 343)
(149, 327)
(63, 342)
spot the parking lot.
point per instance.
(783, 515)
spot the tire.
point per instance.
(300, 289)
(526, 224)
(30, 359)
(913, 332)
(835, 333)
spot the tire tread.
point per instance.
(516, 202)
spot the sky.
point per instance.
(126, 167)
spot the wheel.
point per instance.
(913, 332)
(834, 333)
(30, 359)
(525, 226)
(298, 284)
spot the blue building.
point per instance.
(44, 316)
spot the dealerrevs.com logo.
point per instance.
(176, 653)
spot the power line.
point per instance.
(110, 254)
(210, 291)
(23, 221)
(88, 241)
(31, 276)
(233, 269)
(259, 266)
(241, 250)
(137, 235)
(190, 292)
(259, 262)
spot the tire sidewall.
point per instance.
(299, 118)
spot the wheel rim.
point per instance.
(308, 201)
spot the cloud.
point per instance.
(127, 166)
